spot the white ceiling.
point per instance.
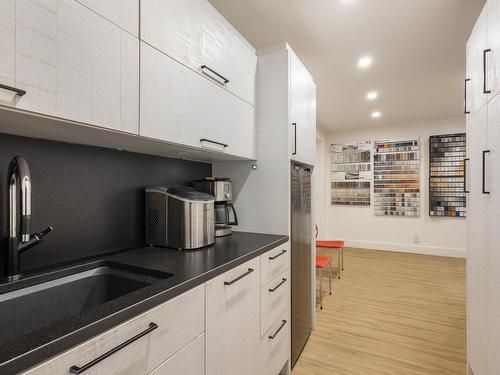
(418, 47)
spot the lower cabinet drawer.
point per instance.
(190, 360)
(274, 262)
(274, 300)
(275, 346)
(160, 333)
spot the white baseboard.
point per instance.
(407, 248)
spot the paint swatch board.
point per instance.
(396, 178)
(351, 173)
(446, 175)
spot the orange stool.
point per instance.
(322, 262)
(339, 245)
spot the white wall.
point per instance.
(360, 228)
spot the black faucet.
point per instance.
(20, 239)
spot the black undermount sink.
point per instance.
(34, 307)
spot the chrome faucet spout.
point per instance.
(20, 238)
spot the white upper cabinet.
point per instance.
(302, 112)
(7, 50)
(196, 35)
(180, 106)
(123, 13)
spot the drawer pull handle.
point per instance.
(466, 109)
(486, 170)
(214, 142)
(277, 256)
(277, 286)
(466, 189)
(486, 90)
(250, 270)
(19, 92)
(283, 322)
(203, 67)
(294, 138)
(79, 370)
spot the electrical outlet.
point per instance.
(416, 238)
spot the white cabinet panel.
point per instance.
(303, 112)
(194, 33)
(477, 44)
(232, 322)
(190, 360)
(174, 27)
(494, 45)
(478, 209)
(275, 346)
(180, 106)
(36, 54)
(179, 321)
(123, 13)
(97, 70)
(274, 300)
(7, 49)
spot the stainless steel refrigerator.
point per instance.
(301, 258)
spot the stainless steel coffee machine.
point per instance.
(221, 188)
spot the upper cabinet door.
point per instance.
(7, 50)
(196, 35)
(493, 57)
(476, 52)
(123, 13)
(302, 112)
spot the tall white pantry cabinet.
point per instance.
(482, 108)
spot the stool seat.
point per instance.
(323, 261)
(330, 244)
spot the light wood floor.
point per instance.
(391, 313)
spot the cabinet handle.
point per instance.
(278, 255)
(486, 152)
(277, 286)
(214, 142)
(203, 67)
(466, 111)
(18, 92)
(294, 124)
(283, 322)
(485, 65)
(465, 175)
(79, 370)
(250, 270)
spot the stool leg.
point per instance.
(321, 288)
(338, 264)
(330, 276)
(342, 252)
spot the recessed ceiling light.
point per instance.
(365, 62)
(376, 114)
(372, 95)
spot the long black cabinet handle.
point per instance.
(214, 142)
(294, 124)
(19, 92)
(485, 66)
(283, 322)
(79, 370)
(250, 270)
(485, 152)
(277, 286)
(465, 175)
(278, 255)
(466, 111)
(203, 67)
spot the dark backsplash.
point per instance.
(92, 196)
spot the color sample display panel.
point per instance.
(446, 175)
(396, 178)
(351, 173)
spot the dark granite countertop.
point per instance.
(190, 269)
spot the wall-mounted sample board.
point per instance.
(351, 173)
(396, 178)
(447, 195)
